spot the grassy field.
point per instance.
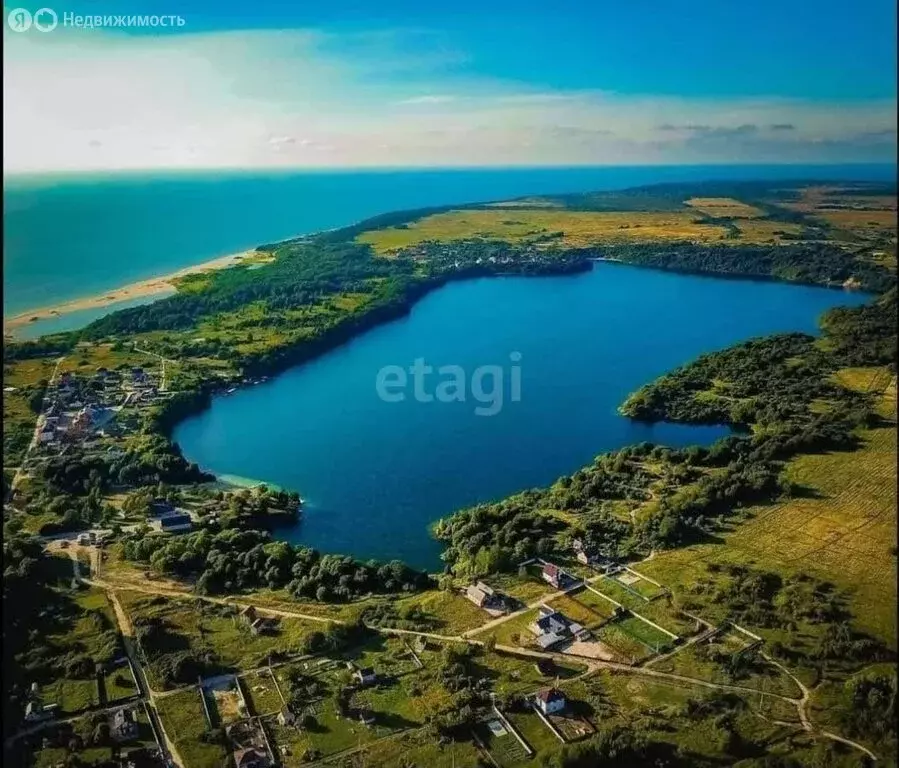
(219, 630)
(724, 208)
(580, 611)
(119, 683)
(534, 730)
(185, 724)
(842, 530)
(660, 611)
(623, 642)
(695, 662)
(575, 228)
(447, 613)
(417, 748)
(261, 693)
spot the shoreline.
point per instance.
(159, 286)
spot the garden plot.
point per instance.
(262, 692)
(637, 585)
(119, 683)
(224, 700)
(572, 727)
(505, 750)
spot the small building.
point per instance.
(84, 539)
(124, 727)
(248, 614)
(286, 717)
(35, 712)
(550, 700)
(179, 522)
(552, 627)
(365, 676)
(483, 596)
(263, 626)
(160, 507)
(552, 574)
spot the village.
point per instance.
(297, 708)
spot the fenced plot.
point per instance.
(262, 693)
(505, 750)
(119, 683)
(572, 607)
(655, 640)
(637, 585)
(572, 727)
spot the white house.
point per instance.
(550, 701)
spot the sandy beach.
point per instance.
(154, 286)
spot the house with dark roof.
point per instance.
(160, 507)
(553, 574)
(178, 522)
(124, 727)
(552, 627)
(550, 700)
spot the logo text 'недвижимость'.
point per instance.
(47, 19)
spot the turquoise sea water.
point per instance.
(71, 236)
(375, 474)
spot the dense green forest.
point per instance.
(771, 384)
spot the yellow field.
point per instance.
(763, 231)
(578, 228)
(844, 532)
(861, 215)
(859, 219)
(724, 207)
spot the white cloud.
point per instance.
(427, 100)
(97, 100)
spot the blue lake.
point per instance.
(376, 474)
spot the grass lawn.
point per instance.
(418, 749)
(513, 632)
(659, 611)
(622, 642)
(584, 612)
(448, 613)
(645, 633)
(72, 695)
(528, 589)
(261, 693)
(514, 674)
(218, 629)
(534, 730)
(185, 723)
(119, 683)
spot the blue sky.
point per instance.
(467, 83)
